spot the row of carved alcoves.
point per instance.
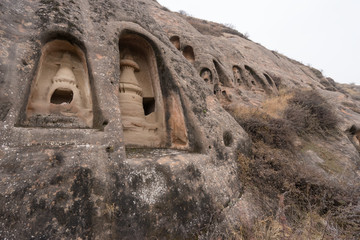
(245, 77)
(187, 50)
(61, 94)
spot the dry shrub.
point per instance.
(244, 164)
(312, 208)
(262, 127)
(270, 229)
(301, 119)
(299, 204)
(309, 112)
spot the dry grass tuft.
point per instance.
(276, 106)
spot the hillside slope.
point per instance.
(123, 120)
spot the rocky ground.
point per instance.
(273, 145)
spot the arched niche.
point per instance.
(175, 40)
(188, 53)
(355, 133)
(223, 77)
(217, 89)
(357, 137)
(140, 98)
(206, 74)
(60, 94)
(269, 80)
(258, 79)
(237, 72)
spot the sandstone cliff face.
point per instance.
(67, 169)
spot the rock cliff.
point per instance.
(123, 120)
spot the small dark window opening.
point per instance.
(148, 105)
(61, 96)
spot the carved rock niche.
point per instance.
(206, 74)
(60, 94)
(141, 103)
(188, 53)
(237, 75)
(175, 40)
(357, 137)
(224, 79)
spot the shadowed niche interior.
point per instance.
(258, 79)
(188, 53)
(175, 40)
(206, 74)
(355, 132)
(269, 79)
(140, 98)
(223, 78)
(237, 75)
(60, 95)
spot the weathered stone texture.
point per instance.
(83, 180)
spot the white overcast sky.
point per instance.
(322, 33)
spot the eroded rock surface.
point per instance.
(114, 122)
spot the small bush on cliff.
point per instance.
(309, 112)
(260, 126)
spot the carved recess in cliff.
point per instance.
(175, 40)
(357, 138)
(141, 101)
(237, 75)
(188, 53)
(206, 74)
(355, 135)
(271, 82)
(222, 76)
(256, 80)
(60, 95)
